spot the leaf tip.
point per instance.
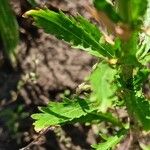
(29, 13)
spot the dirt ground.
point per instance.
(46, 69)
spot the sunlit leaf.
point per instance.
(103, 90)
(110, 143)
(77, 31)
(144, 44)
(59, 113)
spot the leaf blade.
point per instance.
(101, 81)
(111, 142)
(68, 29)
(59, 113)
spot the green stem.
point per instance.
(128, 88)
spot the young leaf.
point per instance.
(9, 31)
(110, 143)
(71, 30)
(59, 113)
(102, 80)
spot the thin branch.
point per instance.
(42, 133)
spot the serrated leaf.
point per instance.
(103, 90)
(9, 31)
(103, 5)
(142, 111)
(59, 113)
(70, 30)
(144, 45)
(139, 107)
(146, 59)
(110, 143)
(140, 78)
(98, 117)
(89, 27)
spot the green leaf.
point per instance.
(110, 143)
(131, 11)
(103, 89)
(140, 78)
(103, 5)
(98, 117)
(144, 45)
(139, 107)
(144, 147)
(9, 31)
(88, 27)
(68, 111)
(77, 31)
(147, 15)
(146, 59)
(59, 113)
